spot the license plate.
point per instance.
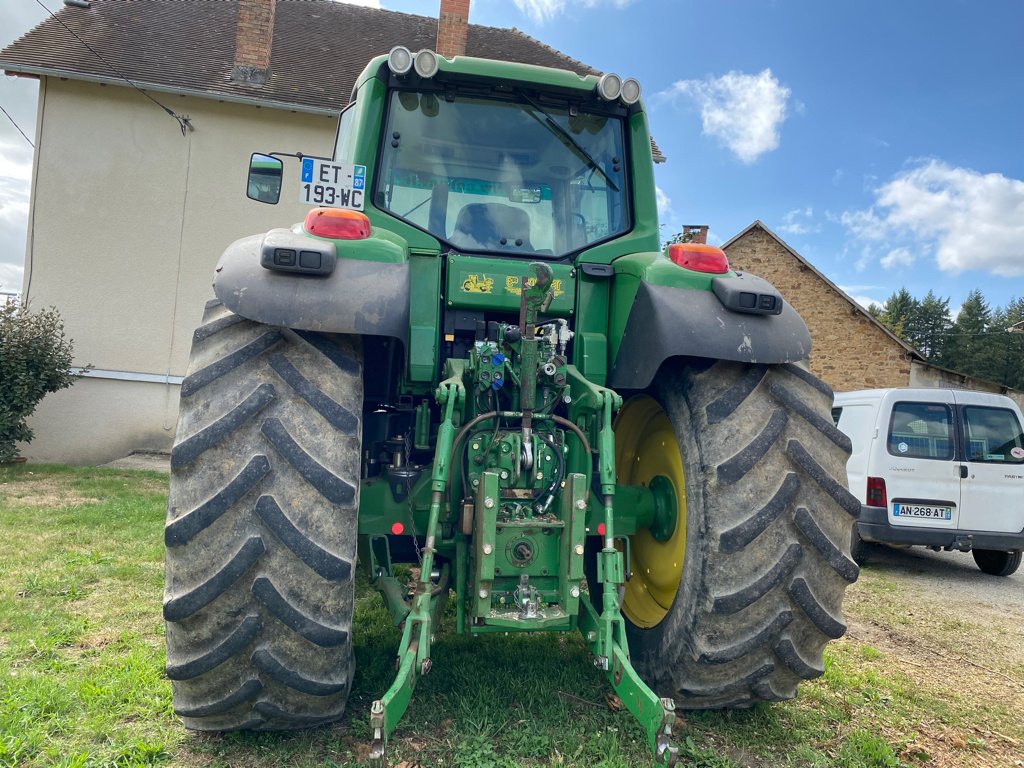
(335, 185)
(924, 511)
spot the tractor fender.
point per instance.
(357, 296)
(666, 322)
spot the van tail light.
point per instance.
(699, 257)
(876, 493)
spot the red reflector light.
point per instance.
(876, 492)
(600, 529)
(699, 258)
(397, 528)
(337, 224)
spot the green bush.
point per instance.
(35, 359)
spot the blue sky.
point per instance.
(884, 141)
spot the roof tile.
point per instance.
(319, 47)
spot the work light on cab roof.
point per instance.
(425, 63)
(401, 60)
(611, 87)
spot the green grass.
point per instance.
(81, 671)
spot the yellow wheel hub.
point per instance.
(646, 448)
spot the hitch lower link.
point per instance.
(603, 632)
(414, 650)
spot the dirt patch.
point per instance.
(42, 491)
(952, 634)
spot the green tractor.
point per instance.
(474, 357)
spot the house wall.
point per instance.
(848, 350)
(128, 218)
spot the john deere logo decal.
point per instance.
(473, 284)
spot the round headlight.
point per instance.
(399, 60)
(630, 91)
(609, 86)
(426, 63)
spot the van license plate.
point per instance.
(925, 511)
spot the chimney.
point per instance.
(695, 233)
(254, 33)
(452, 25)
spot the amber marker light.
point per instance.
(699, 258)
(337, 224)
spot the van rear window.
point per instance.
(921, 431)
(993, 434)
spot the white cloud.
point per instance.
(968, 219)
(664, 202)
(364, 3)
(15, 174)
(867, 255)
(744, 112)
(545, 10)
(799, 221)
(10, 278)
(865, 301)
(15, 160)
(897, 257)
(855, 292)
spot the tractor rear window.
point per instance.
(497, 177)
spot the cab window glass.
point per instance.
(490, 175)
(993, 434)
(921, 431)
(344, 146)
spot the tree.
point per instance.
(977, 344)
(899, 311)
(1007, 351)
(928, 328)
(969, 347)
(35, 359)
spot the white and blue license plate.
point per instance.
(922, 511)
(335, 185)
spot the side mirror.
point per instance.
(264, 184)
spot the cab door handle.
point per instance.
(963, 471)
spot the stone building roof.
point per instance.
(854, 306)
(187, 46)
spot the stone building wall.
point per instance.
(924, 375)
(849, 351)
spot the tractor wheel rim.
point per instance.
(646, 448)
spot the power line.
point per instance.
(17, 126)
(182, 120)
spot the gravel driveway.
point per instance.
(945, 576)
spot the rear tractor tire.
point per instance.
(261, 527)
(736, 603)
(997, 563)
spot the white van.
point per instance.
(941, 468)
